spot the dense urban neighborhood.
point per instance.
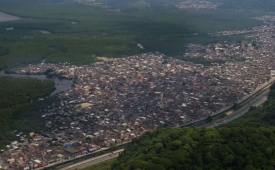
(197, 4)
(116, 100)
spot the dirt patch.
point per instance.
(44, 32)
(229, 112)
(104, 59)
(101, 60)
(83, 105)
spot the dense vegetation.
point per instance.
(19, 108)
(191, 148)
(246, 143)
(101, 32)
(17, 91)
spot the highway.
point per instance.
(92, 161)
(254, 102)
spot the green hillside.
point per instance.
(191, 148)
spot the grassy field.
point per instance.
(99, 32)
(106, 165)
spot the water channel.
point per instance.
(60, 84)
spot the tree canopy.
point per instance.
(19, 108)
(193, 148)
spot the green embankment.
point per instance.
(106, 165)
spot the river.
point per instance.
(60, 84)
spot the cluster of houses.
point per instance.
(35, 153)
(114, 101)
(89, 2)
(197, 4)
(268, 19)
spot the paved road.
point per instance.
(261, 101)
(255, 102)
(92, 161)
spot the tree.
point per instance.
(176, 144)
(235, 106)
(228, 160)
(249, 167)
(113, 148)
(209, 119)
(88, 139)
(153, 166)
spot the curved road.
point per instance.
(254, 102)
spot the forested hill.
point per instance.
(201, 149)
(247, 143)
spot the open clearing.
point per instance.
(6, 17)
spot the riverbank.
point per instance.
(61, 84)
(21, 101)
